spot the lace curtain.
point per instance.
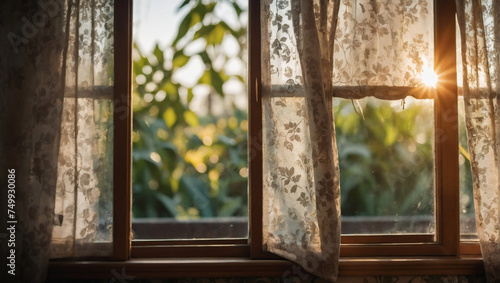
(301, 185)
(56, 111)
(85, 173)
(382, 48)
(311, 51)
(480, 44)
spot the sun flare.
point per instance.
(429, 77)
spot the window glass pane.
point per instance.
(467, 217)
(386, 158)
(467, 213)
(190, 120)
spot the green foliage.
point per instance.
(466, 191)
(386, 160)
(185, 165)
(188, 166)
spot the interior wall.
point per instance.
(289, 278)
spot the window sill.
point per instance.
(411, 266)
(245, 267)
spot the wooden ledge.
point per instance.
(169, 268)
(245, 267)
(411, 266)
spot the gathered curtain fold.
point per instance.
(301, 181)
(56, 111)
(480, 46)
(313, 51)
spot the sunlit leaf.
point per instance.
(190, 95)
(240, 78)
(391, 135)
(191, 118)
(205, 78)
(169, 88)
(170, 117)
(180, 59)
(216, 35)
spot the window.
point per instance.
(190, 120)
(440, 238)
(387, 166)
(443, 239)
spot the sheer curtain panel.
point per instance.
(301, 185)
(479, 23)
(312, 51)
(56, 111)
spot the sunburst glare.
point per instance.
(429, 77)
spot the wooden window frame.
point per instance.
(378, 255)
(122, 147)
(446, 241)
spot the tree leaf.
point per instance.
(167, 202)
(216, 35)
(229, 207)
(203, 32)
(158, 53)
(180, 59)
(237, 8)
(204, 56)
(194, 142)
(205, 78)
(191, 118)
(196, 189)
(228, 28)
(226, 140)
(184, 27)
(217, 82)
(170, 88)
(183, 4)
(170, 117)
(190, 95)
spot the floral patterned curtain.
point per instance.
(312, 51)
(56, 110)
(382, 48)
(85, 172)
(301, 185)
(480, 44)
